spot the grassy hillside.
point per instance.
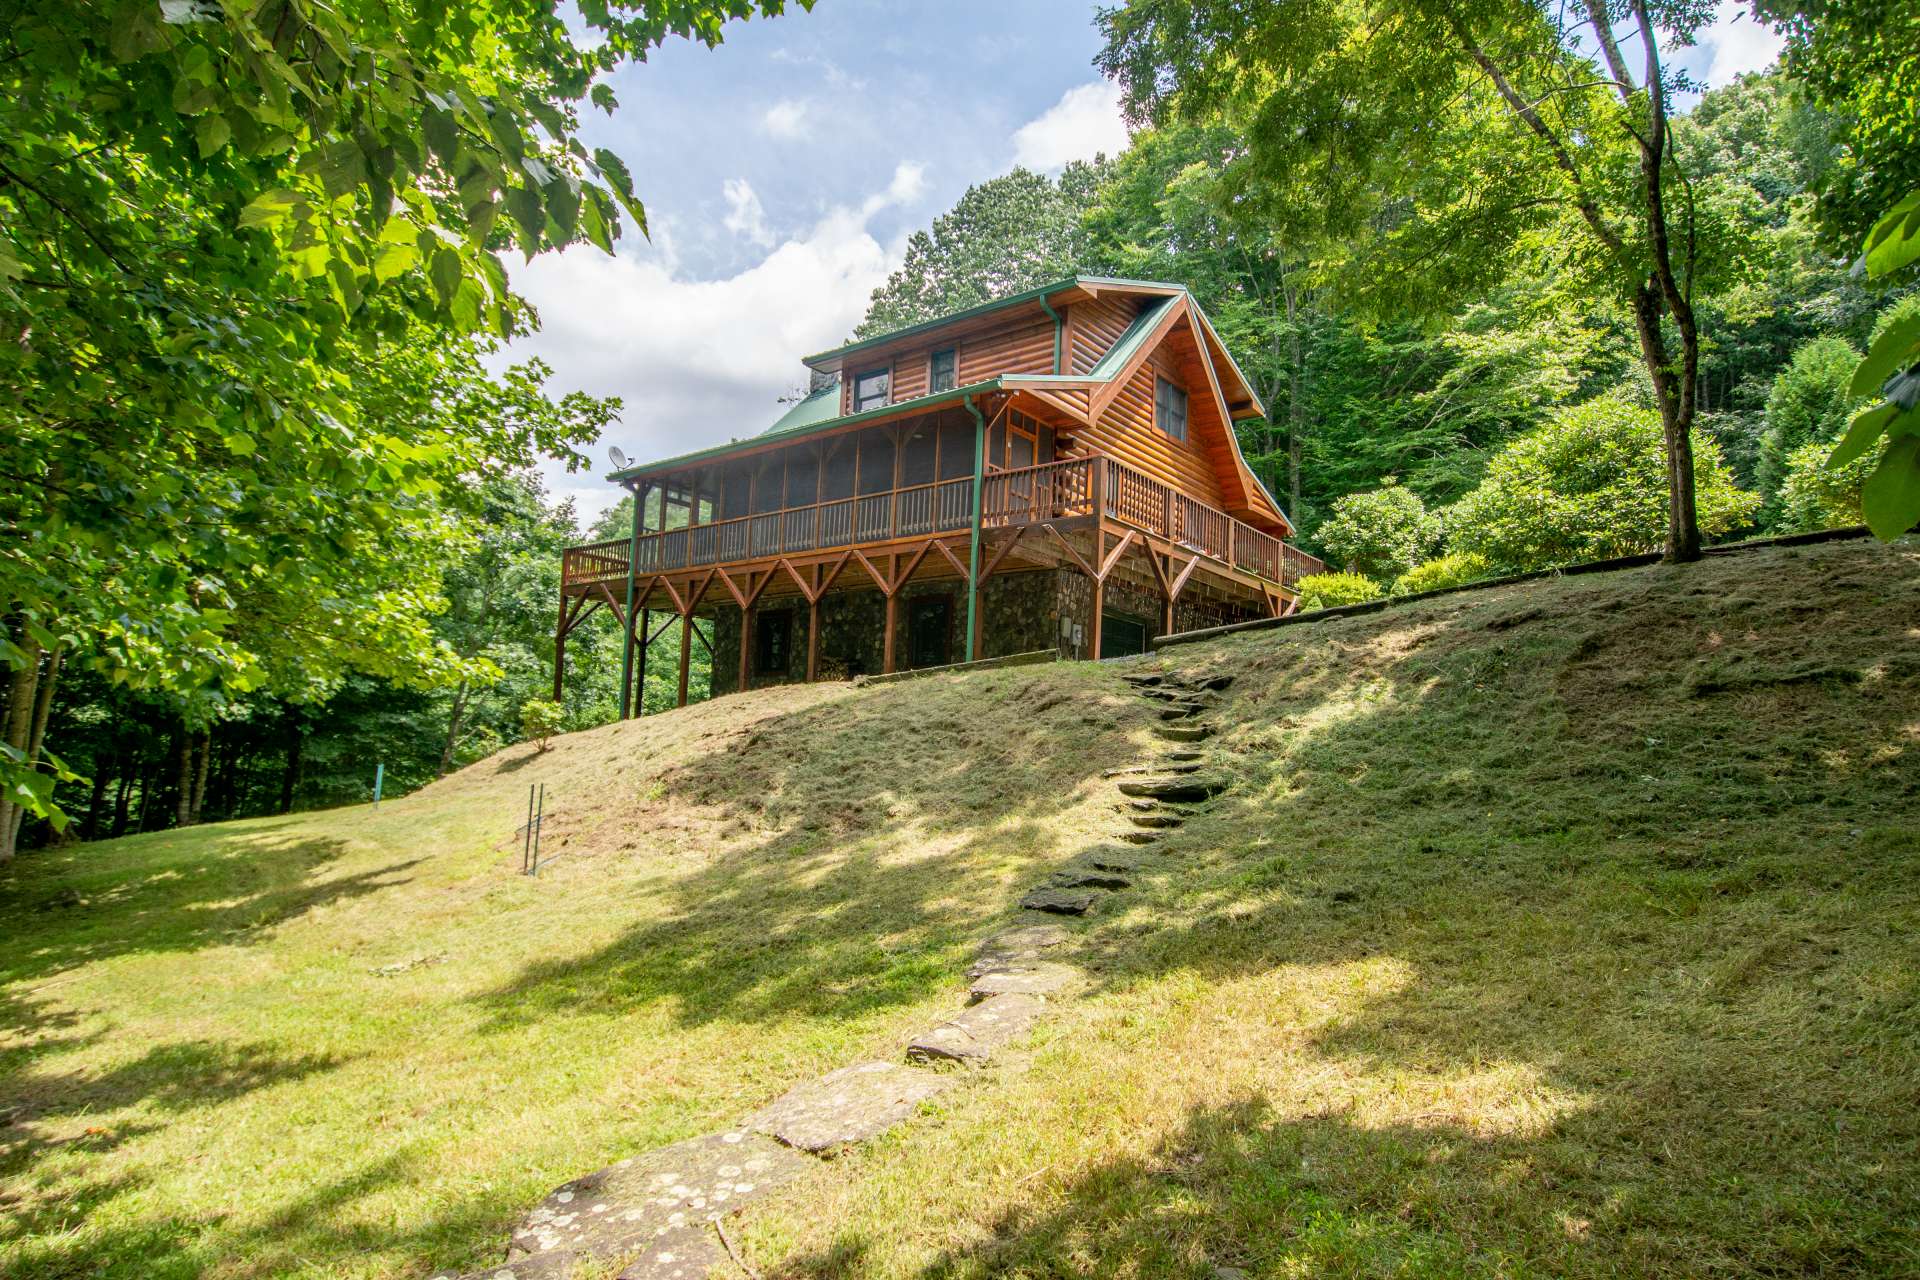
(1559, 929)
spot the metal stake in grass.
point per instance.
(539, 820)
(526, 837)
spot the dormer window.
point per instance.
(1170, 409)
(943, 371)
(870, 389)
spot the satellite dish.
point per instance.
(616, 457)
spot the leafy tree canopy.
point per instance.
(1590, 484)
(1380, 534)
(1012, 233)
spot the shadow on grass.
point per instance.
(61, 910)
(1609, 957)
(809, 915)
(314, 1221)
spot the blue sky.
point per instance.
(782, 173)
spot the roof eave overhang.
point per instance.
(851, 421)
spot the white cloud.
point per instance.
(1738, 43)
(786, 120)
(1085, 122)
(699, 362)
(745, 215)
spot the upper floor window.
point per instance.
(870, 389)
(943, 371)
(1170, 409)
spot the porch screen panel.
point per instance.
(837, 483)
(876, 461)
(919, 460)
(803, 478)
(736, 486)
(956, 449)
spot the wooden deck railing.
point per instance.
(1051, 491)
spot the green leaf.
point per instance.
(1867, 426)
(1895, 239)
(603, 98)
(528, 214)
(212, 133)
(10, 266)
(1892, 351)
(339, 165)
(594, 221)
(1890, 498)
(563, 206)
(443, 136)
(267, 209)
(446, 274)
(393, 259)
(241, 443)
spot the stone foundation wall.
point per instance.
(1019, 613)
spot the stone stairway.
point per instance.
(662, 1214)
(1156, 798)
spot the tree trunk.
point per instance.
(122, 803)
(453, 729)
(290, 778)
(1676, 423)
(202, 749)
(96, 801)
(19, 729)
(183, 776)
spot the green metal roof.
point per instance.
(809, 411)
(1128, 344)
(992, 305)
(788, 430)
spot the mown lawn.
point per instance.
(1565, 929)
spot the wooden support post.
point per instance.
(686, 655)
(893, 625)
(746, 646)
(1099, 604)
(560, 649)
(640, 663)
(813, 639)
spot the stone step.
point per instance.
(1183, 755)
(1145, 679)
(1184, 732)
(846, 1106)
(1160, 821)
(1139, 837)
(1178, 790)
(1035, 978)
(1182, 711)
(1061, 902)
(1114, 858)
(1213, 684)
(976, 1033)
(1126, 770)
(1016, 946)
(655, 1208)
(1087, 878)
(1139, 806)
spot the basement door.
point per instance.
(1121, 637)
(930, 631)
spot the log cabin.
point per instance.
(1055, 470)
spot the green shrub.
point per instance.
(1815, 496)
(540, 720)
(1809, 404)
(1589, 485)
(1381, 534)
(1448, 571)
(1330, 590)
